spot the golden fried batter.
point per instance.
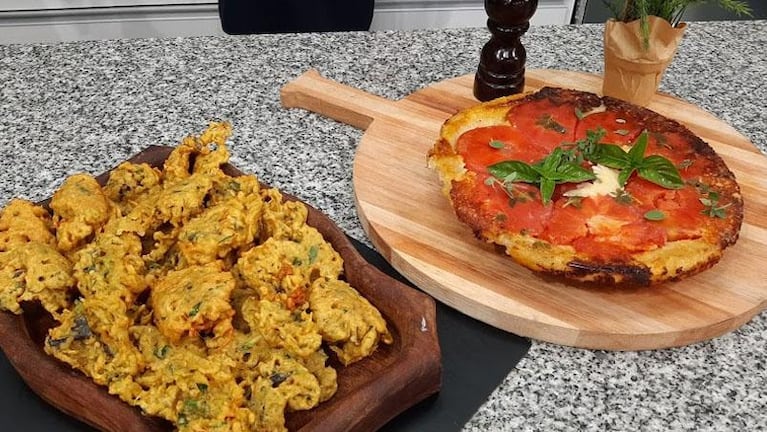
(80, 208)
(194, 389)
(276, 268)
(282, 383)
(35, 271)
(292, 330)
(202, 298)
(347, 320)
(129, 182)
(93, 336)
(111, 264)
(194, 302)
(22, 222)
(215, 232)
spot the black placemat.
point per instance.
(475, 358)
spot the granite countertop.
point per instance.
(86, 106)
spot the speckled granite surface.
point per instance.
(86, 106)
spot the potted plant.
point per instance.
(641, 40)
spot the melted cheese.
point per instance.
(604, 226)
(606, 183)
(596, 110)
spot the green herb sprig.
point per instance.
(584, 148)
(670, 10)
(655, 215)
(712, 207)
(654, 168)
(563, 165)
(547, 173)
(546, 121)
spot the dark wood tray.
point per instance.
(370, 392)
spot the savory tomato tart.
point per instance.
(590, 188)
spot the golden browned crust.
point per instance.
(674, 260)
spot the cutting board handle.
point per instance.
(313, 92)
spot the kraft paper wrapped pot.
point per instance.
(633, 70)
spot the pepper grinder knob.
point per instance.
(501, 69)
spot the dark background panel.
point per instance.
(597, 12)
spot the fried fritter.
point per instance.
(35, 271)
(111, 265)
(194, 302)
(202, 298)
(216, 232)
(129, 182)
(347, 321)
(22, 222)
(80, 208)
(282, 383)
(292, 330)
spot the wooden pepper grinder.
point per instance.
(501, 68)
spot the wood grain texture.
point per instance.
(401, 208)
(370, 392)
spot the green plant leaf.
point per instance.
(550, 163)
(670, 10)
(624, 175)
(611, 155)
(548, 172)
(636, 153)
(547, 189)
(661, 171)
(546, 121)
(524, 172)
(496, 144)
(572, 173)
(655, 215)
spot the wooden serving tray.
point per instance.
(400, 205)
(370, 392)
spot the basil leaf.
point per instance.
(550, 163)
(655, 215)
(524, 172)
(636, 154)
(572, 173)
(547, 189)
(624, 175)
(661, 171)
(611, 155)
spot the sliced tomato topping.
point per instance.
(525, 213)
(544, 123)
(682, 209)
(621, 129)
(601, 226)
(676, 148)
(599, 250)
(566, 224)
(642, 235)
(621, 241)
(485, 146)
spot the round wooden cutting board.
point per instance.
(413, 225)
